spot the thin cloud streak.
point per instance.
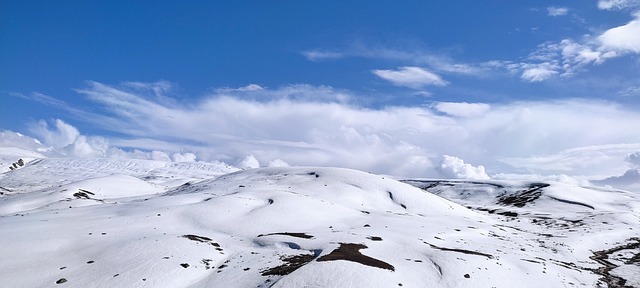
(412, 77)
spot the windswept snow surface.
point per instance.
(116, 223)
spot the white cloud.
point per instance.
(412, 77)
(249, 162)
(61, 135)
(551, 137)
(557, 11)
(617, 4)
(538, 73)
(625, 38)
(568, 57)
(454, 167)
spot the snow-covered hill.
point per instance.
(142, 223)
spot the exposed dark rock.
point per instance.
(521, 198)
(601, 257)
(292, 234)
(291, 263)
(351, 252)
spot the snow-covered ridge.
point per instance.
(51, 172)
(115, 223)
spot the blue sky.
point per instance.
(108, 68)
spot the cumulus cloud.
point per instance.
(454, 167)
(58, 136)
(623, 39)
(66, 139)
(249, 162)
(412, 77)
(557, 11)
(633, 158)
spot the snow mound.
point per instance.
(82, 193)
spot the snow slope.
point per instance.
(116, 223)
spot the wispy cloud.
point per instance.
(633, 91)
(417, 56)
(557, 11)
(569, 57)
(319, 55)
(412, 77)
(538, 72)
(539, 137)
(565, 58)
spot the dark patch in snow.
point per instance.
(374, 238)
(291, 263)
(459, 250)
(351, 252)
(298, 235)
(521, 198)
(508, 213)
(573, 202)
(17, 164)
(84, 194)
(207, 263)
(602, 256)
(197, 238)
(202, 239)
(184, 265)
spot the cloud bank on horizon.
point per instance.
(307, 125)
